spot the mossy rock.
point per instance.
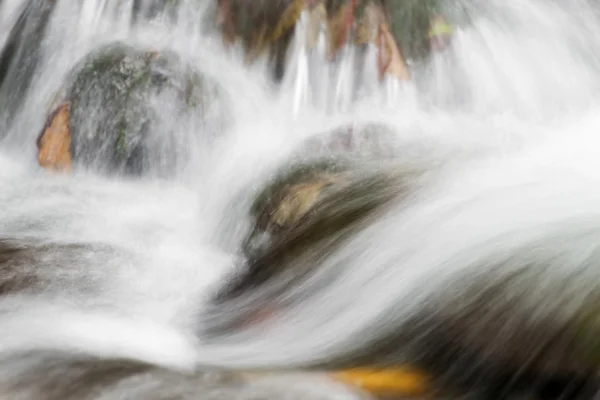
(290, 197)
(20, 56)
(113, 125)
(313, 203)
(300, 217)
(334, 182)
(325, 163)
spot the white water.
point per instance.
(515, 103)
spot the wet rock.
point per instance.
(267, 27)
(335, 182)
(401, 30)
(486, 332)
(303, 386)
(53, 374)
(126, 108)
(486, 336)
(291, 197)
(263, 27)
(300, 217)
(52, 268)
(62, 375)
(21, 54)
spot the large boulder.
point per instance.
(334, 181)
(304, 213)
(124, 111)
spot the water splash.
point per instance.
(510, 111)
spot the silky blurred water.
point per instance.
(510, 112)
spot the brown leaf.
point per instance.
(54, 143)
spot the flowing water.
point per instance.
(511, 113)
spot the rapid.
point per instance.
(506, 122)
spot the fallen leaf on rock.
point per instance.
(384, 382)
(54, 143)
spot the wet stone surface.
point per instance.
(129, 109)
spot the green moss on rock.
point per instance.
(126, 106)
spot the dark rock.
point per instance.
(484, 341)
(488, 332)
(264, 27)
(335, 182)
(114, 126)
(63, 375)
(301, 216)
(291, 197)
(48, 268)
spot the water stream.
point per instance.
(508, 118)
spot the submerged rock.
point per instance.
(63, 375)
(303, 387)
(291, 197)
(55, 269)
(509, 324)
(263, 27)
(20, 56)
(127, 110)
(309, 209)
(327, 165)
(335, 182)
